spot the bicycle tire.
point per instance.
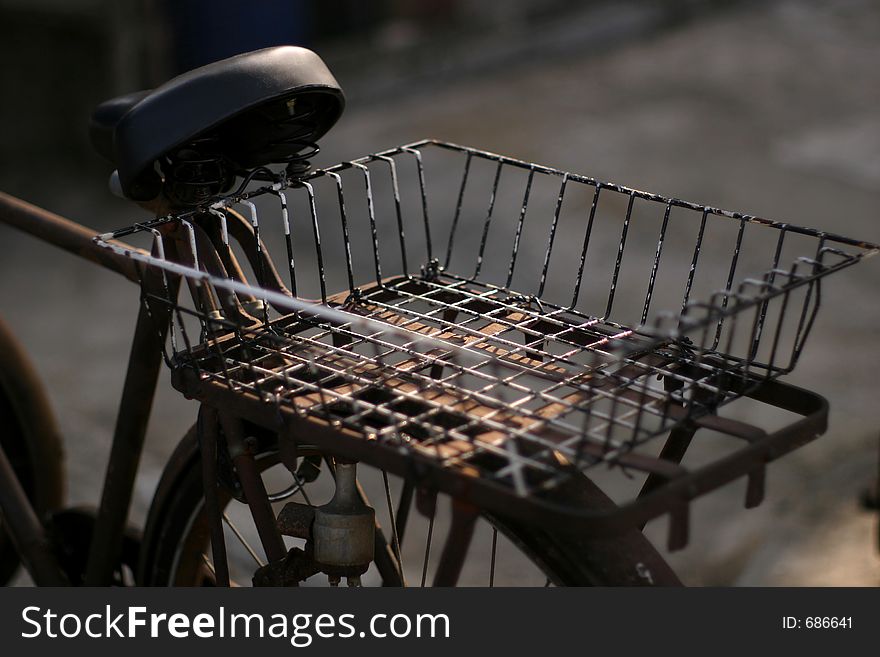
(625, 560)
(29, 436)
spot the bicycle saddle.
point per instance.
(208, 125)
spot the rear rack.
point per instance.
(503, 327)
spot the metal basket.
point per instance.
(501, 323)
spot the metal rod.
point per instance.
(63, 233)
(144, 363)
(208, 431)
(655, 265)
(552, 237)
(395, 538)
(261, 509)
(22, 525)
(244, 542)
(427, 557)
(621, 246)
(586, 245)
(673, 451)
(519, 227)
(403, 507)
(488, 222)
(461, 532)
(492, 560)
(457, 216)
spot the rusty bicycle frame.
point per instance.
(128, 437)
(137, 397)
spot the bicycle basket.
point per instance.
(500, 323)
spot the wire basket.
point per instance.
(500, 322)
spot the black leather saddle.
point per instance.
(209, 124)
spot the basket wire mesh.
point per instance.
(505, 320)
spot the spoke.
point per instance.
(395, 542)
(243, 540)
(209, 565)
(428, 550)
(492, 563)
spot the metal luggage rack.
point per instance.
(501, 322)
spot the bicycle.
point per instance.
(507, 365)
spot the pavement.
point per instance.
(770, 109)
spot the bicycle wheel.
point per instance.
(175, 549)
(29, 437)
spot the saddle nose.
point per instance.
(106, 117)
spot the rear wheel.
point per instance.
(30, 439)
(176, 546)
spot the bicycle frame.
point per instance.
(136, 404)
(128, 437)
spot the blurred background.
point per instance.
(769, 108)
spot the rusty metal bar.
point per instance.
(24, 528)
(209, 434)
(253, 487)
(464, 519)
(63, 233)
(144, 364)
